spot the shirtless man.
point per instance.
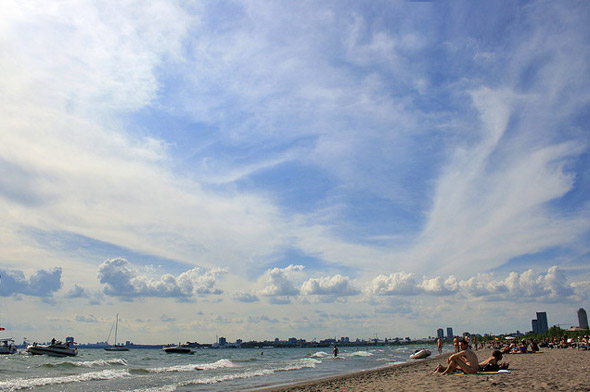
(465, 360)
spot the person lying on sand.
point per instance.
(491, 364)
(465, 360)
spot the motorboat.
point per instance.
(180, 349)
(116, 347)
(57, 349)
(7, 346)
(418, 354)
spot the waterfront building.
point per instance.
(582, 318)
(542, 325)
(440, 333)
(449, 333)
(535, 327)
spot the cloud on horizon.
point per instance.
(42, 283)
(122, 280)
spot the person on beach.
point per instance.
(456, 344)
(335, 351)
(465, 360)
(492, 363)
(439, 345)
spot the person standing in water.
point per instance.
(439, 345)
(335, 351)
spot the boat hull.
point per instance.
(53, 351)
(420, 354)
(178, 350)
(116, 348)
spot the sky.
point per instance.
(311, 169)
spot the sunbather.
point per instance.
(465, 360)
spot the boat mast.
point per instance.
(116, 327)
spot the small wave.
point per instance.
(304, 363)
(16, 384)
(222, 363)
(358, 354)
(319, 354)
(228, 377)
(88, 364)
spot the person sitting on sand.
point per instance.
(465, 360)
(491, 364)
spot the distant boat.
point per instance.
(7, 346)
(55, 349)
(116, 347)
(418, 354)
(180, 349)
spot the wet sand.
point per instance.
(551, 370)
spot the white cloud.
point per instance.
(526, 286)
(124, 281)
(77, 292)
(279, 283)
(399, 283)
(246, 297)
(42, 283)
(86, 318)
(337, 286)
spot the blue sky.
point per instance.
(272, 169)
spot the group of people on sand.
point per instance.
(466, 360)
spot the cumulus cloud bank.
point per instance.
(122, 280)
(40, 284)
(550, 286)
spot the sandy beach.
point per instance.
(551, 370)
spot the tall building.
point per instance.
(440, 333)
(449, 333)
(535, 327)
(542, 325)
(582, 318)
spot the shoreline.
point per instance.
(552, 369)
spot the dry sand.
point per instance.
(551, 370)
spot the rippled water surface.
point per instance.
(206, 370)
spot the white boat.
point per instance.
(7, 346)
(180, 349)
(116, 347)
(57, 349)
(418, 354)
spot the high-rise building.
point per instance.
(582, 318)
(542, 325)
(440, 333)
(535, 327)
(449, 333)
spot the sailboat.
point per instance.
(116, 347)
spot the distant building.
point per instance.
(69, 339)
(542, 325)
(449, 333)
(440, 333)
(582, 318)
(535, 327)
(222, 341)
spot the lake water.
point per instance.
(153, 370)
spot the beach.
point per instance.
(552, 369)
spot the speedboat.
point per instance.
(57, 349)
(180, 349)
(7, 346)
(418, 354)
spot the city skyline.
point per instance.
(315, 168)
